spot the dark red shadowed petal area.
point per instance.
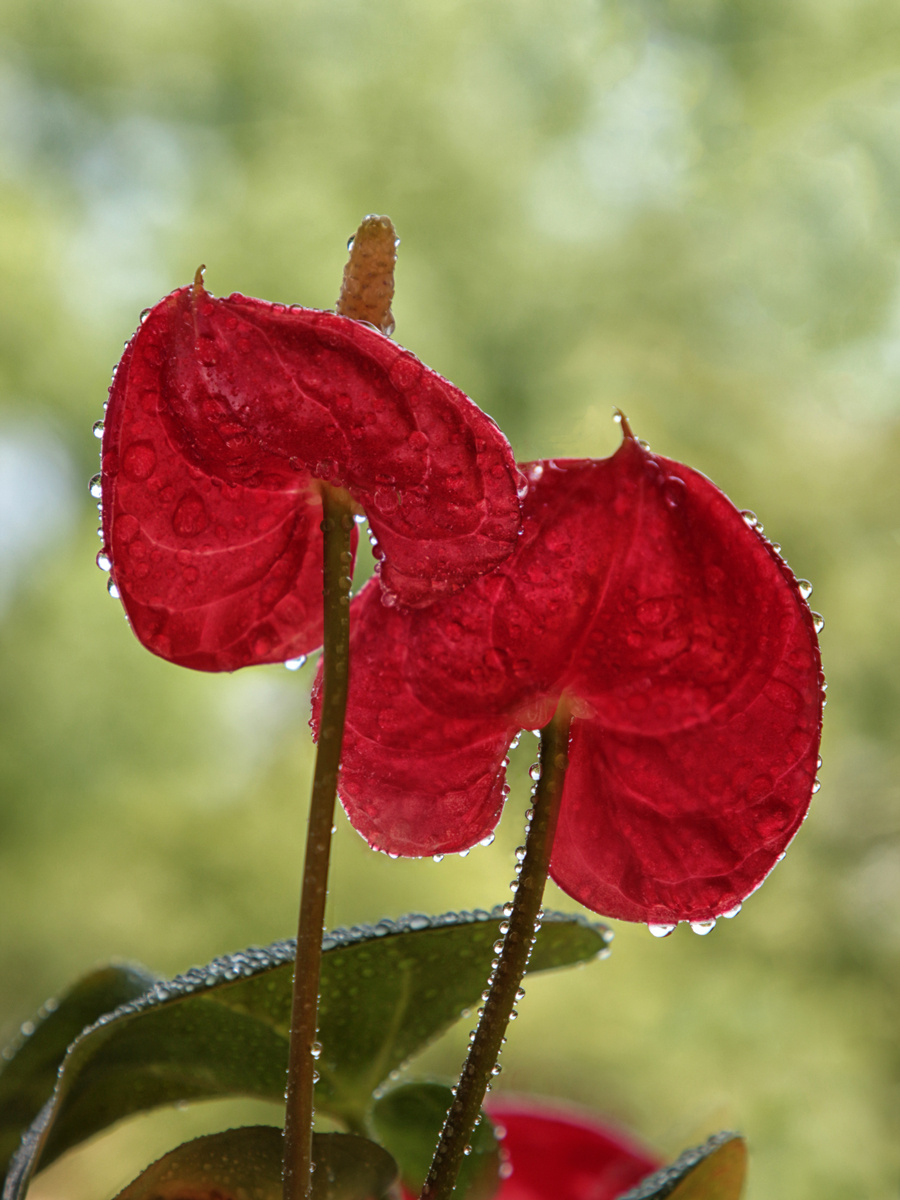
(559, 1153)
(686, 651)
(223, 414)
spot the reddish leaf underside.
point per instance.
(224, 417)
(690, 659)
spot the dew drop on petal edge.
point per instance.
(94, 487)
(103, 561)
(294, 664)
(97, 429)
(661, 931)
(703, 927)
(732, 912)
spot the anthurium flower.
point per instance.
(558, 1153)
(225, 419)
(686, 652)
(553, 1152)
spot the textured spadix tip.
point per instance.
(223, 416)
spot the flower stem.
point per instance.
(524, 920)
(337, 527)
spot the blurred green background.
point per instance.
(688, 209)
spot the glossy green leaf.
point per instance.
(408, 1121)
(29, 1066)
(714, 1171)
(245, 1164)
(387, 990)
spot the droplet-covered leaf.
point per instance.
(713, 1171)
(408, 1121)
(245, 1164)
(386, 991)
(28, 1067)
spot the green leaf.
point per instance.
(29, 1066)
(408, 1122)
(245, 1164)
(387, 990)
(713, 1171)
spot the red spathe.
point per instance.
(686, 652)
(225, 416)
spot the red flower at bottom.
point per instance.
(562, 1154)
(557, 1153)
(686, 652)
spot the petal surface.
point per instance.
(410, 784)
(223, 414)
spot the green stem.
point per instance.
(336, 528)
(507, 977)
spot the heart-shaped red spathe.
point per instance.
(686, 652)
(224, 418)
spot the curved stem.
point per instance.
(337, 527)
(505, 982)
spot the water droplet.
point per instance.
(94, 487)
(316, 1050)
(751, 518)
(316, 1077)
(294, 664)
(112, 589)
(535, 771)
(819, 763)
(661, 931)
(520, 994)
(97, 429)
(487, 841)
(27, 1028)
(732, 912)
(498, 945)
(816, 786)
(674, 491)
(496, 1069)
(464, 854)
(438, 857)
(520, 854)
(467, 1150)
(104, 562)
(507, 909)
(806, 588)
(702, 928)
(818, 622)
